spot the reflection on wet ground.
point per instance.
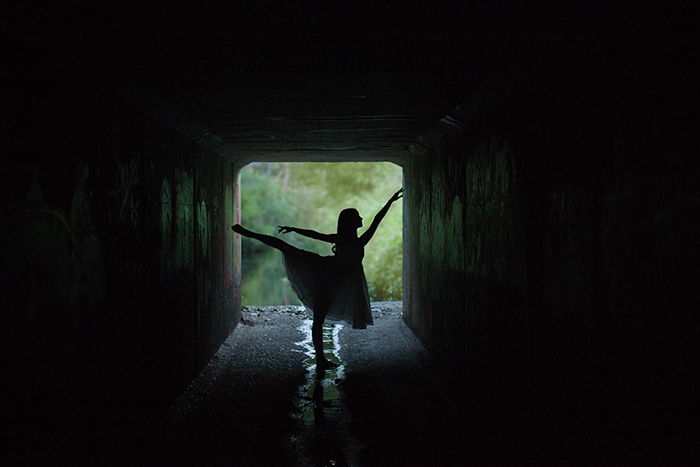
(322, 437)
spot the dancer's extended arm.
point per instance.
(330, 238)
(367, 235)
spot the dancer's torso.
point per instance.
(350, 252)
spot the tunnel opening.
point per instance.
(310, 195)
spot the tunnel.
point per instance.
(550, 225)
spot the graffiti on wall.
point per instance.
(491, 235)
(183, 247)
(125, 184)
(55, 258)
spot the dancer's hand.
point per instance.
(396, 196)
(284, 229)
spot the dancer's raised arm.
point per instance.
(367, 235)
(330, 238)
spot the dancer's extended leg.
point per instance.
(269, 240)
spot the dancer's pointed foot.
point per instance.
(325, 364)
(239, 229)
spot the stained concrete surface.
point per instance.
(245, 408)
(404, 411)
(260, 401)
(237, 411)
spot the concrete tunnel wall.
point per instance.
(118, 280)
(547, 234)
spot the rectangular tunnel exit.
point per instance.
(310, 195)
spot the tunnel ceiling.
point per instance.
(303, 90)
(263, 113)
(299, 78)
(312, 87)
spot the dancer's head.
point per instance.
(348, 221)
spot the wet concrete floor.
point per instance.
(261, 400)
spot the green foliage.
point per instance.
(310, 195)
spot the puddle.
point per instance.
(322, 437)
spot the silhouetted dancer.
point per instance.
(330, 286)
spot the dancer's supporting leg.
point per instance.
(317, 338)
(274, 242)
